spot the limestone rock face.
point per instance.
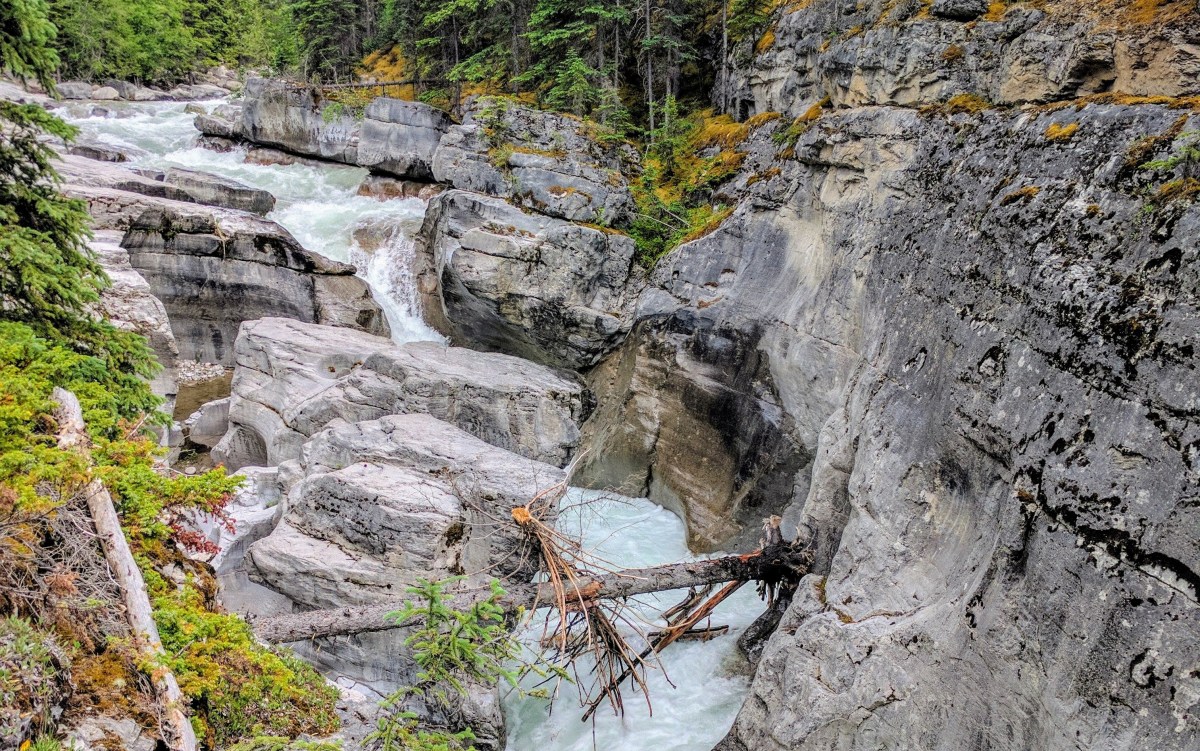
(130, 304)
(399, 138)
(497, 278)
(392, 136)
(214, 269)
(977, 342)
(541, 160)
(294, 379)
(292, 119)
(212, 190)
(879, 53)
(377, 505)
(401, 498)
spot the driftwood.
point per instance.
(777, 562)
(177, 730)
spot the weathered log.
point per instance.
(776, 563)
(177, 730)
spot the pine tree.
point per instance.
(49, 279)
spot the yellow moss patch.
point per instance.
(762, 119)
(795, 5)
(765, 42)
(996, 11)
(953, 52)
(1126, 14)
(1187, 189)
(720, 131)
(1024, 195)
(764, 175)
(971, 104)
(1061, 133)
(709, 226)
(552, 153)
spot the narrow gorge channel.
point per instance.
(698, 687)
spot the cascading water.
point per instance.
(701, 684)
(318, 204)
(697, 687)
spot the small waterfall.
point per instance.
(383, 250)
(318, 203)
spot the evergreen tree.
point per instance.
(49, 279)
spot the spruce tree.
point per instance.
(49, 280)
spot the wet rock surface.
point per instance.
(214, 269)
(294, 379)
(497, 278)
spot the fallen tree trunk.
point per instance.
(774, 564)
(177, 730)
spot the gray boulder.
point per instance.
(74, 90)
(494, 277)
(399, 138)
(208, 424)
(213, 190)
(296, 120)
(191, 92)
(225, 121)
(293, 379)
(378, 505)
(98, 151)
(105, 94)
(215, 268)
(541, 160)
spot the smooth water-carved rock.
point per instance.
(399, 138)
(294, 379)
(543, 161)
(214, 269)
(497, 278)
(213, 190)
(129, 303)
(983, 337)
(378, 505)
(292, 118)
(187, 186)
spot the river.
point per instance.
(698, 687)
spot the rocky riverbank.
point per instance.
(947, 333)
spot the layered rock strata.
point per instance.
(294, 379)
(391, 136)
(497, 278)
(214, 269)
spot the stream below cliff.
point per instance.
(700, 686)
(317, 203)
